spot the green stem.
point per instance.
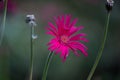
(47, 65)
(4, 20)
(100, 50)
(31, 48)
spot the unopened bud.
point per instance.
(30, 19)
(109, 5)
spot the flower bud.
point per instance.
(30, 19)
(109, 5)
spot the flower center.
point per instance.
(64, 39)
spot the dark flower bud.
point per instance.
(109, 5)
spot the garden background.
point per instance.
(15, 49)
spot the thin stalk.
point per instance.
(100, 50)
(31, 48)
(4, 21)
(47, 66)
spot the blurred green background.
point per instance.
(15, 49)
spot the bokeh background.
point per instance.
(15, 49)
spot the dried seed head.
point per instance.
(30, 19)
(109, 5)
(111, 2)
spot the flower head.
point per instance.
(30, 19)
(109, 5)
(65, 38)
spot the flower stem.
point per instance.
(100, 50)
(47, 65)
(4, 20)
(31, 48)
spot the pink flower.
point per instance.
(65, 38)
(10, 6)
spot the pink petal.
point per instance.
(63, 20)
(77, 37)
(54, 46)
(52, 41)
(64, 53)
(82, 50)
(75, 29)
(84, 39)
(52, 26)
(73, 22)
(78, 44)
(51, 32)
(74, 50)
(68, 17)
(80, 47)
(56, 21)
